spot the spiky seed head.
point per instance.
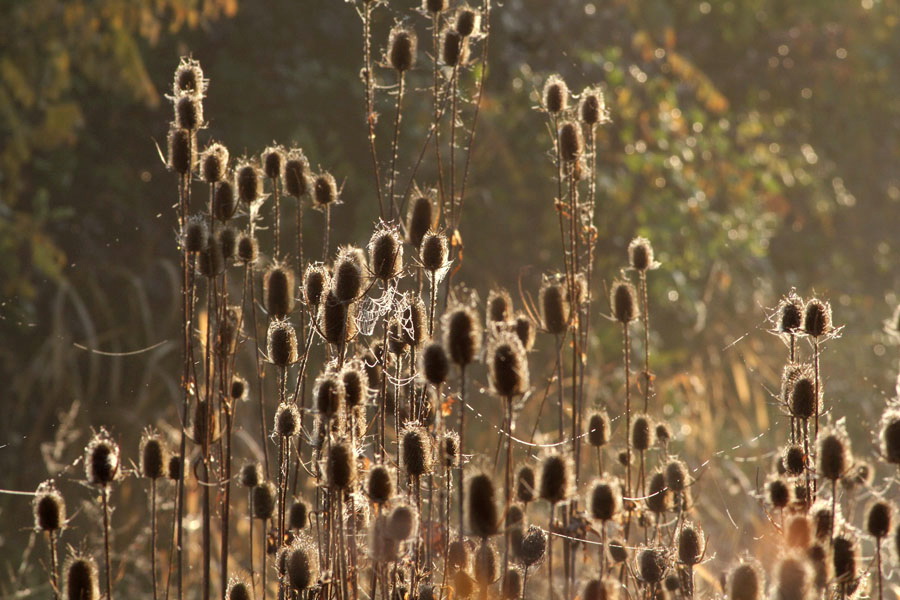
(790, 314)
(878, 519)
(605, 499)
(251, 474)
(433, 252)
(401, 52)
(622, 457)
(347, 281)
(463, 585)
(380, 484)
(834, 455)
(315, 281)
(337, 319)
(356, 384)
(523, 327)
(802, 400)
(228, 241)
(426, 591)
(154, 456)
(618, 551)
(239, 388)
(640, 254)
(296, 173)
(340, 466)
(176, 468)
(212, 261)
(555, 95)
(402, 522)
(525, 484)
(659, 496)
(507, 365)
(499, 306)
(468, 21)
(651, 565)
(247, 181)
(272, 160)
(101, 460)
(454, 48)
(798, 531)
(821, 516)
(278, 290)
(641, 433)
(794, 459)
(534, 546)
(845, 558)
(239, 590)
(282, 343)
(435, 363)
(746, 581)
(555, 483)
(623, 301)
(329, 394)
(214, 163)
(189, 112)
(325, 190)
(778, 493)
(49, 508)
(182, 152)
(287, 420)
(81, 579)
(298, 515)
(663, 435)
(511, 587)
(676, 475)
(416, 452)
(189, 78)
(672, 583)
(462, 335)
(890, 436)
(571, 142)
(485, 565)
(592, 108)
(818, 560)
(434, 6)
(600, 589)
(302, 567)
(817, 318)
(263, 500)
(690, 544)
(458, 555)
(481, 506)
(247, 249)
(420, 220)
(554, 306)
(449, 448)
(386, 254)
(599, 429)
(195, 234)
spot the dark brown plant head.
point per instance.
(794, 459)
(468, 21)
(525, 484)
(287, 420)
(511, 586)
(238, 590)
(555, 95)
(507, 365)
(347, 281)
(401, 51)
(278, 290)
(534, 546)
(188, 112)
(297, 178)
(189, 78)
(462, 334)
(817, 318)
(325, 190)
(790, 314)
(214, 163)
(845, 558)
(641, 433)
(450, 448)
(571, 141)
(356, 383)
(746, 581)
(49, 508)
(282, 343)
(81, 579)
(778, 493)
(176, 467)
(499, 306)
(380, 484)
(247, 181)
(340, 466)
(458, 555)
(101, 460)
(554, 304)
(385, 253)
(263, 500)
(420, 219)
(599, 429)
(416, 451)
(402, 522)
(605, 499)
(623, 301)
(834, 457)
(435, 363)
(224, 201)
(592, 108)
(676, 475)
(618, 551)
(251, 474)
(154, 456)
(316, 280)
(329, 394)
(640, 254)
(454, 48)
(659, 496)
(240, 389)
(485, 564)
(247, 249)
(879, 517)
(691, 542)
(272, 160)
(337, 319)
(481, 506)
(652, 565)
(195, 235)
(555, 484)
(301, 566)
(434, 6)
(211, 261)
(228, 241)
(890, 436)
(524, 329)
(433, 252)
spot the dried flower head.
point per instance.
(340, 466)
(386, 253)
(834, 457)
(523, 327)
(534, 546)
(251, 475)
(507, 365)
(316, 280)
(554, 305)
(49, 508)
(462, 334)
(401, 52)
(746, 581)
(640, 254)
(433, 252)
(81, 579)
(555, 95)
(481, 507)
(454, 48)
(282, 343)
(651, 565)
(214, 163)
(691, 544)
(416, 452)
(623, 301)
(420, 219)
(296, 173)
(435, 363)
(402, 522)
(555, 484)
(188, 112)
(262, 500)
(599, 429)
(605, 499)
(247, 181)
(101, 460)
(195, 234)
(154, 456)
(890, 436)
(817, 318)
(301, 566)
(189, 78)
(592, 108)
(468, 21)
(272, 160)
(325, 190)
(278, 290)
(247, 249)
(571, 141)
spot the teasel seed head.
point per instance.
(798, 531)
(834, 456)
(340, 466)
(890, 436)
(690, 544)
(778, 493)
(640, 254)
(434, 6)
(523, 327)
(402, 523)
(790, 314)
(329, 394)
(663, 435)
(599, 429)
(282, 343)
(802, 400)
(435, 363)
(485, 564)
(821, 516)
(818, 557)
(554, 305)
(555, 484)
(659, 496)
(676, 475)
(247, 249)
(182, 146)
(511, 587)
(356, 384)
(176, 467)
(499, 306)
(878, 519)
(49, 508)
(101, 460)
(296, 173)
(600, 589)
(420, 219)
(651, 565)
(263, 501)
(247, 182)
(302, 566)
(211, 261)
(401, 50)
(81, 579)
(251, 475)
(278, 290)
(672, 583)
(228, 241)
(507, 366)
(618, 551)
(468, 21)
(555, 95)
(817, 318)
(380, 484)
(316, 280)
(433, 252)
(454, 48)
(481, 507)
(416, 452)
(746, 581)
(195, 237)
(605, 499)
(641, 433)
(154, 456)
(386, 253)
(794, 459)
(458, 555)
(462, 334)
(571, 142)
(337, 320)
(793, 578)
(525, 484)
(238, 590)
(214, 163)
(298, 515)
(189, 78)
(845, 558)
(623, 301)
(272, 160)
(189, 112)
(534, 546)
(287, 420)
(347, 281)
(239, 388)
(325, 190)
(592, 108)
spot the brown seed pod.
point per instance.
(189, 78)
(416, 452)
(189, 112)
(817, 318)
(462, 334)
(380, 485)
(340, 466)
(468, 21)
(347, 282)
(247, 249)
(890, 436)
(101, 460)
(641, 433)
(449, 448)
(834, 455)
(746, 581)
(434, 6)
(81, 579)
(454, 48)
(554, 305)
(435, 363)
(272, 160)
(356, 383)
(458, 555)
(798, 531)
(485, 564)
(386, 254)
(329, 394)
(878, 519)
(511, 586)
(401, 52)
(794, 459)
(287, 420)
(282, 343)
(296, 174)
(534, 546)
(623, 301)
(195, 234)
(676, 475)
(778, 493)
(605, 499)
(507, 366)
(302, 567)
(790, 314)
(49, 508)
(600, 589)
(337, 320)
(592, 108)
(618, 551)
(481, 507)
(690, 544)
(182, 150)
(525, 484)
(433, 252)
(251, 475)
(325, 190)
(247, 181)
(845, 558)
(420, 219)
(571, 141)
(402, 522)
(651, 565)
(262, 500)
(555, 95)
(793, 577)
(640, 254)
(663, 435)
(211, 261)
(228, 241)
(238, 590)
(818, 560)
(214, 163)
(524, 329)
(555, 484)
(599, 429)
(316, 280)
(659, 496)
(176, 467)
(239, 388)
(499, 306)
(802, 400)
(278, 290)
(154, 456)
(298, 515)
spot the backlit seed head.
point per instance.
(641, 433)
(101, 460)
(746, 581)
(251, 474)
(454, 48)
(282, 343)
(663, 435)
(878, 519)
(676, 475)
(402, 522)
(176, 468)
(449, 448)
(347, 281)
(458, 555)
(690, 544)
(485, 564)
(247, 181)
(189, 78)
(214, 163)
(297, 177)
(278, 290)
(834, 456)
(600, 589)
(49, 508)
(195, 236)
(623, 301)
(287, 420)
(507, 365)
(325, 190)
(481, 507)
(659, 496)
(803, 402)
(523, 327)
(189, 112)
(316, 280)
(329, 394)
(618, 551)
(182, 150)
(499, 306)
(554, 305)
(845, 558)
(337, 320)
(240, 389)
(239, 590)
(817, 554)
(247, 249)
(420, 219)
(599, 429)
(386, 253)
(228, 241)
(435, 363)
(651, 565)
(81, 579)
(672, 583)
(525, 484)
(462, 334)
(555, 95)
(263, 501)
(340, 466)
(434, 6)
(380, 484)
(794, 459)
(511, 587)
(416, 452)
(605, 499)
(571, 142)
(778, 493)
(211, 261)
(890, 436)
(272, 160)
(301, 566)
(790, 314)
(468, 21)
(555, 484)
(356, 383)
(640, 254)
(401, 52)
(154, 456)
(592, 108)
(534, 546)
(817, 318)
(433, 252)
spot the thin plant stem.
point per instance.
(395, 144)
(153, 536)
(462, 445)
(105, 497)
(54, 566)
(370, 100)
(645, 317)
(626, 350)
